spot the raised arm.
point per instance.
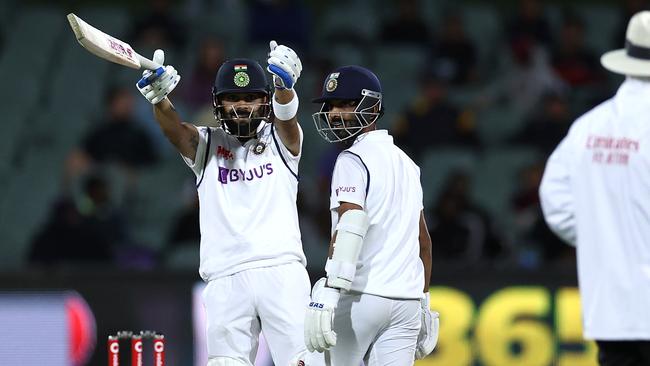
(285, 66)
(184, 136)
(288, 131)
(155, 86)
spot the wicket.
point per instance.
(136, 347)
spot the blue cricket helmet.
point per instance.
(241, 75)
(348, 83)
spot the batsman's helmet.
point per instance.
(241, 75)
(349, 83)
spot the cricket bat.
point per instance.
(108, 47)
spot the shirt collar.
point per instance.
(374, 135)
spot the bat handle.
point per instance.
(148, 64)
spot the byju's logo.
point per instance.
(237, 175)
(345, 189)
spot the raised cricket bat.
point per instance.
(108, 47)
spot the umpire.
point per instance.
(595, 194)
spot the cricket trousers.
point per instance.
(268, 299)
(377, 330)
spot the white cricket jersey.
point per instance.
(378, 176)
(596, 194)
(247, 200)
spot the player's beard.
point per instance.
(351, 124)
(243, 122)
(243, 127)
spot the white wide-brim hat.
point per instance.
(634, 59)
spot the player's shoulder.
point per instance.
(402, 156)
(349, 158)
(407, 161)
(205, 130)
(215, 131)
(347, 155)
(218, 135)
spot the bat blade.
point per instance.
(107, 46)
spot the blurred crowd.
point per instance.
(517, 91)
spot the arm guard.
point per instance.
(342, 267)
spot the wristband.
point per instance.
(285, 112)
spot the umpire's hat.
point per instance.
(240, 75)
(634, 59)
(347, 82)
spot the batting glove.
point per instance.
(285, 66)
(319, 335)
(156, 85)
(428, 337)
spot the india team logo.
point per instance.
(241, 77)
(332, 83)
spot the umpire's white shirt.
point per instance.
(596, 194)
(378, 176)
(248, 214)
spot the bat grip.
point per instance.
(148, 64)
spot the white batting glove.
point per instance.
(319, 335)
(428, 337)
(156, 85)
(285, 66)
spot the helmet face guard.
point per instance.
(241, 123)
(334, 127)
